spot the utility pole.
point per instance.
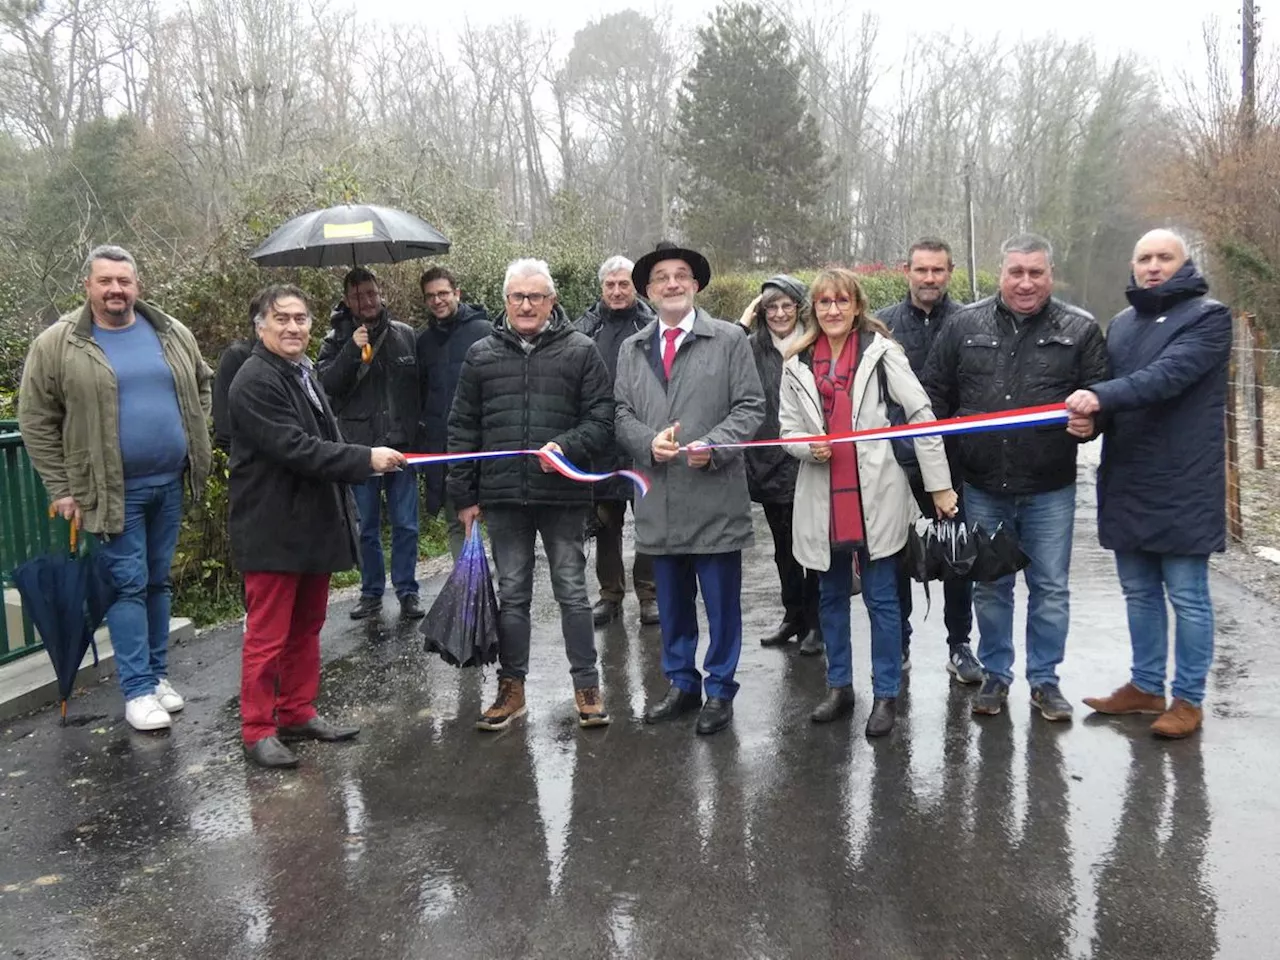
(969, 229)
(1248, 50)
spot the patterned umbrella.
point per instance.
(462, 624)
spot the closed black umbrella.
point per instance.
(66, 596)
(350, 235)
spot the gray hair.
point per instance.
(528, 267)
(107, 251)
(614, 265)
(1027, 243)
(1167, 234)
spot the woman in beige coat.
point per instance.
(853, 501)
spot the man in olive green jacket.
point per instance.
(113, 409)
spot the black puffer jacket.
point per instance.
(916, 330)
(771, 471)
(376, 403)
(513, 398)
(441, 348)
(609, 328)
(985, 361)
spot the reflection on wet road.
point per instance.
(952, 838)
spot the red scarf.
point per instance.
(835, 386)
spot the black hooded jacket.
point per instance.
(376, 403)
(518, 395)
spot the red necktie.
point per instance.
(669, 349)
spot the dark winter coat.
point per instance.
(986, 361)
(229, 364)
(376, 403)
(609, 328)
(771, 471)
(510, 398)
(916, 330)
(1162, 483)
(441, 348)
(291, 510)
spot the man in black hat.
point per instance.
(685, 382)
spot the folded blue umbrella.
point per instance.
(66, 595)
(462, 624)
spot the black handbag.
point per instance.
(904, 448)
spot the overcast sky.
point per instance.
(1165, 33)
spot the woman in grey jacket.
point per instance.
(853, 501)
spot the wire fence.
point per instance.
(1253, 457)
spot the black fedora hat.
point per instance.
(666, 250)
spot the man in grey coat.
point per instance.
(685, 382)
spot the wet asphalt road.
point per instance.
(1005, 838)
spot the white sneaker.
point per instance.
(169, 698)
(145, 713)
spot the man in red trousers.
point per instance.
(292, 524)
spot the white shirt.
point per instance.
(685, 327)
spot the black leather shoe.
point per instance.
(605, 611)
(883, 713)
(780, 636)
(367, 607)
(318, 728)
(649, 612)
(811, 645)
(838, 702)
(271, 753)
(411, 607)
(715, 715)
(676, 703)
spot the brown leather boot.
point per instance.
(1180, 720)
(591, 711)
(507, 705)
(1128, 699)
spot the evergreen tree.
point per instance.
(753, 172)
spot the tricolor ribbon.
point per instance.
(559, 461)
(976, 423)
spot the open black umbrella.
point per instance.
(349, 235)
(66, 596)
(462, 624)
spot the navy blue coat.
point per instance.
(1162, 483)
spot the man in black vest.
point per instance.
(368, 366)
(916, 323)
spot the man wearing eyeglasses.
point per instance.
(534, 383)
(451, 328)
(368, 365)
(685, 382)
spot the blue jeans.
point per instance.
(677, 578)
(511, 535)
(138, 561)
(1044, 524)
(880, 595)
(402, 509)
(1145, 579)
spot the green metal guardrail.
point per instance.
(26, 531)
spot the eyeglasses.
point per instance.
(535, 299)
(662, 279)
(442, 295)
(780, 308)
(826, 303)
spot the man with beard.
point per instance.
(685, 382)
(451, 328)
(916, 323)
(113, 409)
(368, 366)
(618, 314)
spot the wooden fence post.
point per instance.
(1235, 518)
(1259, 338)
